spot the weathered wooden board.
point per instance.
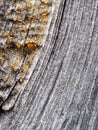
(60, 90)
(24, 33)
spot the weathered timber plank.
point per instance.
(62, 89)
(27, 25)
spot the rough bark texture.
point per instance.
(62, 90)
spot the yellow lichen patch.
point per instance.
(21, 79)
(28, 3)
(40, 28)
(11, 34)
(19, 6)
(35, 38)
(18, 45)
(18, 11)
(23, 22)
(41, 6)
(40, 39)
(26, 66)
(6, 14)
(10, 38)
(5, 33)
(20, 20)
(44, 15)
(31, 45)
(46, 2)
(14, 19)
(22, 34)
(21, 70)
(33, 8)
(28, 41)
(40, 20)
(22, 29)
(14, 65)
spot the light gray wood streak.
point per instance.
(62, 93)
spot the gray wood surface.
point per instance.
(61, 90)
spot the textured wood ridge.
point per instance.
(61, 90)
